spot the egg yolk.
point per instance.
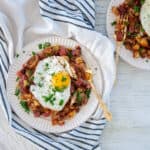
(61, 80)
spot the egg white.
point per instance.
(43, 82)
(145, 16)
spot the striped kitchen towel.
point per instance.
(23, 21)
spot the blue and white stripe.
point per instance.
(85, 137)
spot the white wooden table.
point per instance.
(130, 106)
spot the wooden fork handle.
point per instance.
(103, 106)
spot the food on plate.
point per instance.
(128, 17)
(54, 83)
(145, 16)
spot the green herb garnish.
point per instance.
(40, 84)
(48, 98)
(46, 66)
(17, 55)
(17, 92)
(60, 89)
(129, 33)
(17, 79)
(79, 98)
(40, 73)
(63, 79)
(25, 106)
(147, 60)
(53, 74)
(142, 2)
(136, 9)
(46, 44)
(142, 30)
(40, 46)
(33, 53)
(113, 23)
(53, 90)
(69, 54)
(31, 78)
(88, 92)
(61, 102)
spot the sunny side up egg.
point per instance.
(52, 82)
(145, 16)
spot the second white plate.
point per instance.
(125, 54)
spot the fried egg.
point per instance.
(145, 16)
(52, 82)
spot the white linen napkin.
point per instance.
(23, 21)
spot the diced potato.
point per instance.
(144, 42)
(88, 76)
(66, 58)
(72, 114)
(136, 47)
(56, 47)
(36, 103)
(79, 60)
(26, 96)
(25, 83)
(115, 11)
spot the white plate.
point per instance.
(124, 53)
(44, 124)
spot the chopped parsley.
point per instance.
(40, 73)
(60, 89)
(79, 98)
(40, 46)
(53, 90)
(31, 78)
(40, 84)
(113, 23)
(136, 9)
(63, 79)
(33, 53)
(142, 2)
(46, 44)
(25, 106)
(140, 50)
(17, 55)
(50, 98)
(129, 33)
(17, 92)
(142, 30)
(88, 92)
(147, 60)
(53, 74)
(17, 79)
(46, 66)
(61, 102)
(69, 54)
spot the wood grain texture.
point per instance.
(130, 106)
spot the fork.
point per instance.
(103, 106)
